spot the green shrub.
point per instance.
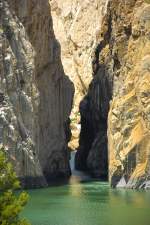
(10, 204)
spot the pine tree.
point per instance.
(10, 204)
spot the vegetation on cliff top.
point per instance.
(10, 204)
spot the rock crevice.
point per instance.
(120, 86)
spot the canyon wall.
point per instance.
(129, 121)
(77, 26)
(35, 94)
(92, 152)
(120, 86)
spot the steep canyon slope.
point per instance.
(129, 121)
(35, 94)
(120, 86)
(77, 26)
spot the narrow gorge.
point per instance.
(116, 108)
(80, 67)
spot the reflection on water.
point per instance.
(90, 203)
(77, 176)
(87, 203)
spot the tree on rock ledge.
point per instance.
(10, 204)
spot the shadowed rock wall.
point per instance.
(121, 74)
(92, 153)
(77, 26)
(38, 96)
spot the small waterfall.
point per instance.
(72, 160)
(77, 176)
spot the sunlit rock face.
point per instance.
(121, 87)
(36, 96)
(128, 121)
(77, 26)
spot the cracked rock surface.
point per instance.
(35, 94)
(116, 108)
(77, 26)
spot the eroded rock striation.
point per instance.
(128, 121)
(36, 95)
(121, 87)
(77, 26)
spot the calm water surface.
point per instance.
(87, 203)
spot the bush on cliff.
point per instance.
(10, 204)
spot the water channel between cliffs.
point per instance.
(86, 202)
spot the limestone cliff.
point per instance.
(128, 121)
(77, 26)
(121, 73)
(36, 96)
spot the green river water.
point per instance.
(88, 203)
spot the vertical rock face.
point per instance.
(36, 96)
(121, 74)
(77, 25)
(129, 124)
(92, 152)
(18, 99)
